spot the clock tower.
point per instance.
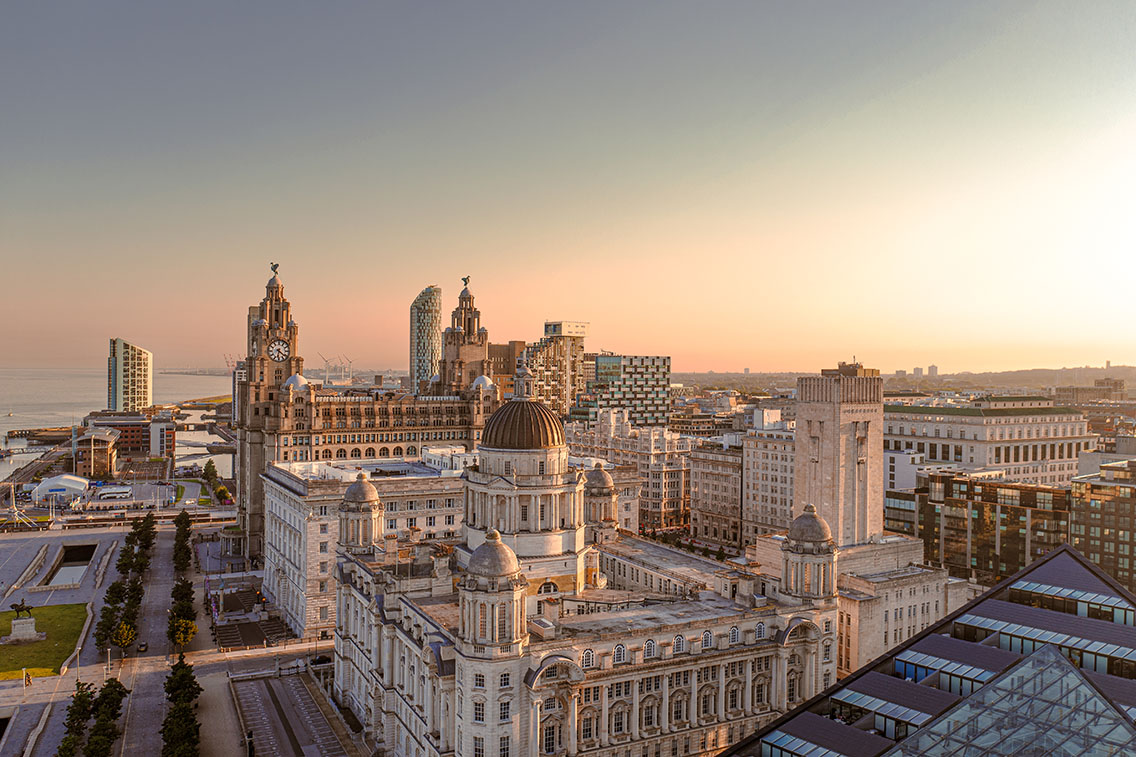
(260, 403)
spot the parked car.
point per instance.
(143, 647)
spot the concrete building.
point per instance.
(768, 478)
(917, 372)
(96, 453)
(1102, 390)
(932, 371)
(636, 383)
(838, 465)
(1104, 519)
(547, 632)
(1013, 672)
(660, 456)
(980, 526)
(1028, 438)
(140, 435)
(281, 417)
(130, 377)
(556, 362)
(716, 492)
(302, 520)
(425, 336)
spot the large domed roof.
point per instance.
(494, 558)
(361, 491)
(808, 526)
(523, 424)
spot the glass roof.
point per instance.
(1078, 594)
(946, 666)
(881, 706)
(1042, 705)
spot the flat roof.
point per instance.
(684, 564)
(708, 607)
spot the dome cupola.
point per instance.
(809, 527)
(523, 423)
(494, 558)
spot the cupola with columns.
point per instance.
(360, 517)
(808, 569)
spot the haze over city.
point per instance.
(770, 186)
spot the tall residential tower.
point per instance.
(425, 335)
(130, 377)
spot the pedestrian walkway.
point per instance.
(285, 719)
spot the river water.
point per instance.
(38, 397)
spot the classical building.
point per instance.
(716, 485)
(639, 384)
(768, 463)
(425, 336)
(282, 417)
(660, 456)
(130, 377)
(556, 362)
(1027, 438)
(549, 632)
(420, 503)
(1104, 519)
(887, 593)
(1043, 663)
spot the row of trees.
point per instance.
(213, 481)
(181, 733)
(183, 615)
(104, 708)
(118, 620)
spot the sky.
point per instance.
(773, 186)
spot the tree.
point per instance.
(181, 631)
(125, 560)
(184, 609)
(181, 733)
(181, 684)
(123, 636)
(210, 472)
(78, 713)
(720, 555)
(221, 494)
(182, 591)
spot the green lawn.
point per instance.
(204, 501)
(180, 492)
(63, 623)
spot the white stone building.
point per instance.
(716, 492)
(302, 515)
(547, 632)
(1027, 438)
(768, 475)
(660, 456)
(130, 377)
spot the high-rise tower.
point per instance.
(130, 377)
(258, 411)
(839, 451)
(425, 335)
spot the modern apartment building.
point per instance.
(981, 526)
(639, 384)
(660, 456)
(768, 475)
(130, 377)
(425, 335)
(1104, 519)
(556, 362)
(1028, 438)
(716, 491)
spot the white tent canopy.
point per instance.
(65, 488)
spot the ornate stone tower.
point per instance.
(259, 410)
(465, 346)
(601, 503)
(839, 451)
(492, 652)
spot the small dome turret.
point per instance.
(297, 382)
(361, 491)
(809, 527)
(494, 558)
(598, 481)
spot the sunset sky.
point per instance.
(736, 184)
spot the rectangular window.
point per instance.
(323, 567)
(479, 680)
(323, 613)
(478, 746)
(479, 712)
(323, 526)
(323, 547)
(503, 747)
(505, 714)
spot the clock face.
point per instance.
(278, 350)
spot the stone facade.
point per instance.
(556, 362)
(768, 475)
(716, 492)
(660, 456)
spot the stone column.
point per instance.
(534, 747)
(779, 677)
(692, 713)
(665, 715)
(748, 674)
(635, 710)
(573, 708)
(603, 716)
(721, 692)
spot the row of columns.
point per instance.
(503, 512)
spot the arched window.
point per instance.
(410, 450)
(326, 454)
(356, 452)
(735, 635)
(679, 643)
(369, 452)
(548, 587)
(707, 639)
(588, 659)
(398, 451)
(384, 452)
(341, 454)
(649, 649)
(619, 654)
(760, 630)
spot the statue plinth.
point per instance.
(23, 631)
